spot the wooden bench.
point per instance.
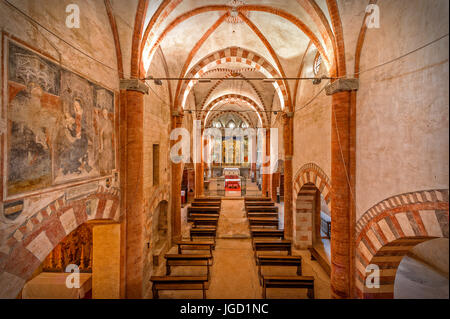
(194, 216)
(263, 221)
(205, 222)
(209, 232)
(208, 199)
(315, 255)
(259, 209)
(258, 199)
(202, 210)
(257, 203)
(282, 261)
(205, 204)
(306, 282)
(261, 232)
(195, 245)
(187, 260)
(272, 245)
(262, 214)
(178, 283)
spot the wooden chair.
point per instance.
(178, 283)
(306, 282)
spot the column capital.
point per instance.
(133, 85)
(341, 85)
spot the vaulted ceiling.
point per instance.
(236, 39)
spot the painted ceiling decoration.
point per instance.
(236, 42)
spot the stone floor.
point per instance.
(234, 274)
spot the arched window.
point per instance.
(317, 63)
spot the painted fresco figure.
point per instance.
(74, 144)
(33, 129)
(106, 151)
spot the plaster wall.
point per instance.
(402, 108)
(312, 123)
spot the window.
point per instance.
(317, 63)
(155, 164)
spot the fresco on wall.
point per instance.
(60, 125)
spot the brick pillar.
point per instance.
(275, 182)
(288, 175)
(177, 175)
(199, 170)
(340, 196)
(266, 166)
(133, 91)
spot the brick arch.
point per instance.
(219, 114)
(233, 54)
(230, 74)
(238, 97)
(309, 179)
(388, 230)
(312, 173)
(31, 243)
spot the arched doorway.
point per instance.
(391, 230)
(312, 224)
(85, 264)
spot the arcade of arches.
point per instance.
(348, 103)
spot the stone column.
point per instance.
(199, 170)
(177, 175)
(134, 91)
(341, 245)
(266, 166)
(288, 176)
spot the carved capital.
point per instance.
(341, 85)
(133, 85)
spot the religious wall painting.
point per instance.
(60, 125)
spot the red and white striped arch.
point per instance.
(237, 99)
(234, 55)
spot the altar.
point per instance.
(232, 179)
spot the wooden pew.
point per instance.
(209, 232)
(263, 221)
(261, 232)
(195, 245)
(262, 214)
(202, 210)
(272, 245)
(187, 260)
(208, 199)
(258, 203)
(259, 209)
(198, 222)
(281, 261)
(259, 199)
(206, 204)
(306, 282)
(194, 216)
(178, 283)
